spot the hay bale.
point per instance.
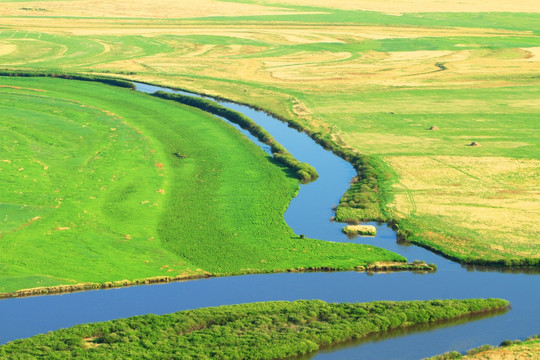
(364, 230)
(434, 127)
(475, 143)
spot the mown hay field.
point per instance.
(374, 75)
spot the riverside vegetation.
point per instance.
(363, 77)
(304, 172)
(364, 230)
(508, 349)
(270, 330)
(91, 159)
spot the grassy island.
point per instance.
(271, 330)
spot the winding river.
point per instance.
(309, 214)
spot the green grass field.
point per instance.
(104, 184)
(270, 330)
(371, 76)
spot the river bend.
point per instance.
(309, 214)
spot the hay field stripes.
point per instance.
(235, 8)
(307, 53)
(398, 7)
(59, 50)
(409, 195)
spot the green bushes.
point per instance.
(365, 199)
(267, 330)
(452, 355)
(480, 349)
(509, 342)
(304, 172)
(101, 79)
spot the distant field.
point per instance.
(374, 75)
(102, 184)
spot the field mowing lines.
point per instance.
(346, 56)
(201, 51)
(92, 157)
(134, 52)
(106, 47)
(408, 191)
(410, 196)
(458, 169)
(149, 67)
(421, 73)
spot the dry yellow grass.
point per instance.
(527, 351)
(409, 6)
(477, 195)
(203, 8)
(164, 9)
(533, 53)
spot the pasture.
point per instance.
(104, 184)
(373, 77)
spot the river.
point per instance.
(309, 214)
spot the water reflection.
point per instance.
(504, 270)
(327, 352)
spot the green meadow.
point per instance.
(102, 184)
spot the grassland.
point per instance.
(371, 76)
(374, 75)
(271, 330)
(508, 350)
(527, 350)
(103, 184)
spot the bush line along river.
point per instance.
(309, 214)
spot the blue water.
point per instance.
(309, 214)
